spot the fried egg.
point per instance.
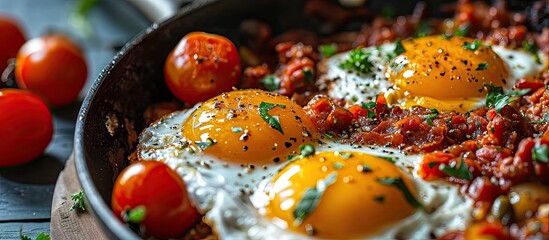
(446, 73)
(246, 193)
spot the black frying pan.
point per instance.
(134, 80)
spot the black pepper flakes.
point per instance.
(288, 144)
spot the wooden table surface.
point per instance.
(26, 191)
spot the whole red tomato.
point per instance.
(161, 192)
(11, 39)
(202, 66)
(52, 67)
(26, 127)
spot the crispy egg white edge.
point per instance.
(356, 87)
(219, 190)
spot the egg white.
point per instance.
(232, 196)
(355, 87)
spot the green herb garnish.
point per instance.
(472, 46)
(205, 144)
(358, 60)
(539, 153)
(273, 121)
(389, 159)
(327, 50)
(497, 99)
(434, 113)
(136, 215)
(41, 236)
(423, 29)
(462, 30)
(398, 183)
(482, 66)
(399, 49)
(431, 165)
(311, 198)
(79, 205)
(307, 150)
(345, 155)
(338, 165)
(461, 171)
(544, 118)
(309, 75)
(368, 106)
(531, 47)
(270, 82)
(236, 129)
(330, 136)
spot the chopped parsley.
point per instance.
(236, 129)
(307, 150)
(461, 171)
(399, 183)
(136, 215)
(309, 75)
(358, 60)
(460, 32)
(544, 118)
(497, 99)
(368, 106)
(482, 66)
(472, 46)
(273, 121)
(539, 153)
(79, 205)
(311, 198)
(463, 30)
(434, 113)
(399, 49)
(389, 159)
(345, 155)
(41, 236)
(270, 82)
(431, 165)
(330, 136)
(423, 29)
(338, 165)
(205, 144)
(531, 47)
(328, 50)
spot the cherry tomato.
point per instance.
(202, 66)
(53, 68)
(11, 39)
(161, 191)
(486, 230)
(26, 127)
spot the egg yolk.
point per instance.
(447, 74)
(249, 126)
(352, 199)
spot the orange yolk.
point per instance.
(249, 126)
(440, 73)
(354, 205)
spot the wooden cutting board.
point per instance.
(67, 224)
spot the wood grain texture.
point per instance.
(24, 201)
(67, 224)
